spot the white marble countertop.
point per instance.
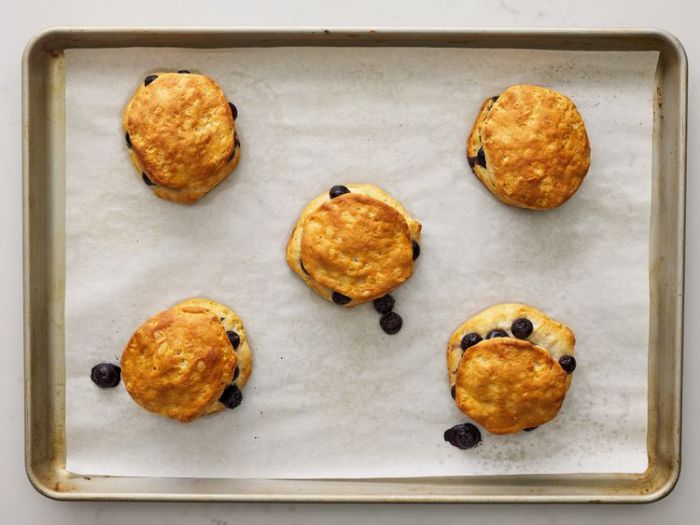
(19, 503)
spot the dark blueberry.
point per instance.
(568, 363)
(106, 375)
(470, 340)
(183, 71)
(231, 396)
(233, 154)
(453, 391)
(337, 191)
(149, 79)
(481, 158)
(471, 161)
(521, 328)
(339, 298)
(302, 267)
(495, 98)
(234, 338)
(236, 373)
(128, 140)
(496, 332)
(463, 436)
(234, 110)
(530, 429)
(147, 180)
(391, 323)
(384, 305)
(236, 142)
(416, 250)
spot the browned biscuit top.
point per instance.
(357, 245)
(508, 385)
(535, 147)
(181, 131)
(178, 362)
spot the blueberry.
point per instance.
(384, 305)
(147, 180)
(106, 375)
(471, 161)
(234, 110)
(231, 396)
(495, 98)
(470, 340)
(337, 191)
(149, 79)
(463, 436)
(128, 140)
(340, 299)
(416, 250)
(391, 323)
(521, 328)
(481, 158)
(183, 71)
(236, 373)
(530, 429)
(496, 332)
(303, 269)
(453, 391)
(234, 338)
(568, 363)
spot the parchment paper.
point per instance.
(331, 395)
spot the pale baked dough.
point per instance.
(182, 135)
(359, 244)
(535, 146)
(179, 361)
(508, 384)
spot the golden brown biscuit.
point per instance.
(181, 135)
(529, 147)
(354, 247)
(510, 367)
(178, 363)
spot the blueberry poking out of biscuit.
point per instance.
(106, 375)
(236, 373)
(470, 340)
(416, 250)
(234, 110)
(494, 98)
(384, 305)
(568, 363)
(340, 299)
(149, 79)
(231, 396)
(147, 180)
(234, 338)
(463, 436)
(337, 191)
(530, 429)
(496, 332)
(481, 158)
(453, 391)
(521, 328)
(183, 71)
(391, 323)
(128, 140)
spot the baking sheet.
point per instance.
(331, 395)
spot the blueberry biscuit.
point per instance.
(354, 244)
(181, 135)
(510, 367)
(529, 147)
(188, 361)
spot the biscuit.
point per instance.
(357, 246)
(529, 147)
(181, 135)
(178, 363)
(509, 367)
